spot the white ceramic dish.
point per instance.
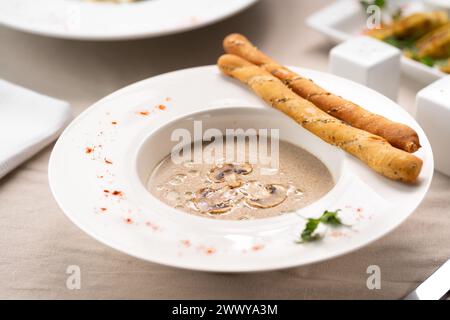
(432, 112)
(345, 19)
(84, 20)
(126, 134)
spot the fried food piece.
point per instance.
(411, 27)
(383, 33)
(419, 24)
(397, 134)
(436, 44)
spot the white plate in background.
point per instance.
(84, 20)
(345, 19)
(99, 152)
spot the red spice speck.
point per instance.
(162, 107)
(258, 247)
(100, 177)
(128, 221)
(210, 251)
(359, 210)
(113, 122)
(89, 150)
(103, 209)
(117, 193)
(186, 243)
(337, 234)
(108, 161)
(143, 113)
(106, 191)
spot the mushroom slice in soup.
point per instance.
(216, 201)
(258, 195)
(229, 173)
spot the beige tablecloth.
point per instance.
(38, 243)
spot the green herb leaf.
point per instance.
(367, 3)
(428, 61)
(308, 233)
(400, 43)
(328, 217)
(380, 3)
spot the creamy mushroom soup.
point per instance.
(222, 189)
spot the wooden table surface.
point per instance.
(38, 243)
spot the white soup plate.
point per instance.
(100, 164)
(87, 20)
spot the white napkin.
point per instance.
(28, 122)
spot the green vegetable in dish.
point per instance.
(400, 43)
(379, 3)
(328, 217)
(427, 61)
(422, 36)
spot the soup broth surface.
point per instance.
(241, 190)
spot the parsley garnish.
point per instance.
(328, 217)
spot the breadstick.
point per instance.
(397, 134)
(373, 150)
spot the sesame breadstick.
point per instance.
(373, 150)
(399, 135)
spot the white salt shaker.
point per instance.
(370, 62)
(433, 114)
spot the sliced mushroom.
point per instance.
(263, 196)
(216, 201)
(244, 168)
(229, 173)
(232, 180)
